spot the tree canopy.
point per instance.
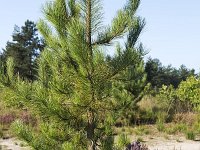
(24, 49)
(159, 75)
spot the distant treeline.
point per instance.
(159, 75)
(26, 46)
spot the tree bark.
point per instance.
(91, 120)
(90, 131)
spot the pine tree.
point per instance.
(80, 92)
(24, 49)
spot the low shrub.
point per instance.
(28, 118)
(21, 130)
(141, 130)
(147, 112)
(186, 118)
(196, 127)
(7, 118)
(8, 115)
(190, 135)
(1, 132)
(160, 126)
(161, 118)
(176, 128)
(122, 141)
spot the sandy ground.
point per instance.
(168, 142)
(158, 143)
(174, 145)
(11, 144)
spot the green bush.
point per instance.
(160, 126)
(122, 141)
(181, 127)
(176, 128)
(190, 135)
(189, 93)
(141, 130)
(21, 130)
(197, 127)
(1, 132)
(161, 118)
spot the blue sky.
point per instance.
(172, 32)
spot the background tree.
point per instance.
(189, 93)
(24, 49)
(132, 79)
(153, 67)
(79, 94)
(159, 75)
(184, 72)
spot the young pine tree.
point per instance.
(80, 92)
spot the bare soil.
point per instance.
(179, 143)
(12, 144)
(153, 143)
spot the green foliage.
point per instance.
(69, 146)
(196, 127)
(39, 140)
(80, 91)
(1, 132)
(22, 130)
(122, 141)
(7, 76)
(157, 74)
(141, 130)
(190, 135)
(181, 127)
(189, 92)
(10, 69)
(185, 98)
(167, 96)
(161, 119)
(148, 109)
(108, 143)
(176, 128)
(160, 126)
(24, 49)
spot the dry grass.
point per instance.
(148, 102)
(186, 118)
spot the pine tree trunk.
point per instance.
(91, 121)
(88, 25)
(90, 131)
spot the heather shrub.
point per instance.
(7, 118)
(28, 118)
